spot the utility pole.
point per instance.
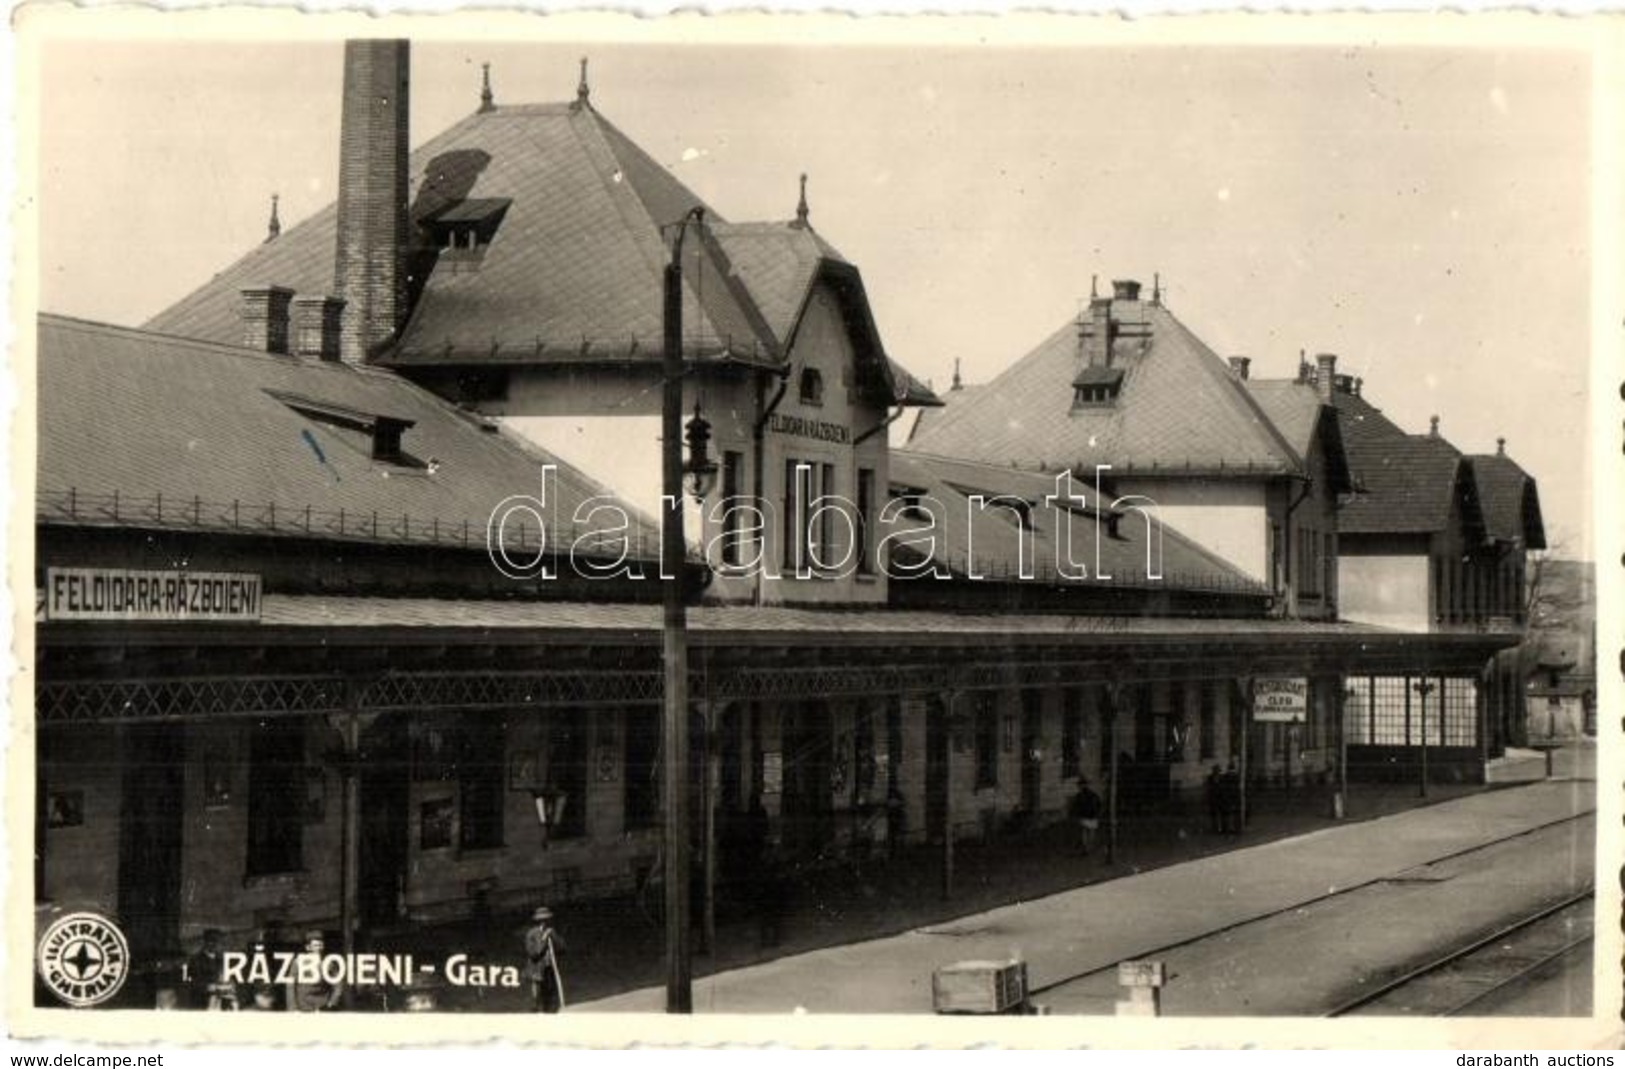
(674, 644)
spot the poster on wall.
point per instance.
(772, 772)
(436, 817)
(524, 771)
(315, 795)
(1280, 699)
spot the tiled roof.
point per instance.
(229, 437)
(574, 270)
(1180, 409)
(1300, 415)
(1362, 423)
(1509, 501)
(929, 417)
(1407, 483)
(993, 534)
(777, 262)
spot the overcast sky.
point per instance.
(1423, 213)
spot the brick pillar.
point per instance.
(265, 317)
(369, 268)
(317, 323)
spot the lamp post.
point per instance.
(1424, 687)
(674, 629)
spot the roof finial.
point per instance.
(801, 205)
(583, 91)
(1433, 426)
(1500, 447)
(487, 101)
(274, 227)
(958, 385)
(1156, 288)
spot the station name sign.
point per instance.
(129, 594)
(1280, 700)
(802, 427)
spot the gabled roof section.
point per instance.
(1179, 410)
(1509, 500)
(1408, 485)
(778, 262)
(993, 532)
(779, 265)
(139, 429)
(1303, 419)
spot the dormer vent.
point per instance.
(377, 433)
(1096, 386)
(463, 229)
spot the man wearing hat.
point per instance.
(542, 962)
(314, 995)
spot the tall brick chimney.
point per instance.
(369, 270)
(1325, 375)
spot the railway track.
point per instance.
(1367, 998)
(1454, 983)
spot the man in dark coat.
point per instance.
(1086, 811)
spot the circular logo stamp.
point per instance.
(83, 958)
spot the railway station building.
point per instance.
(286, 673)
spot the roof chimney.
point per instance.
(265, 317)
(1125, 289)
(1500, 447)
(369, 268)
(1325, 375)
(1097, 333)
(1433, 426)
(273, 229)
(1239, 366)
(317, 326)
(958, 383)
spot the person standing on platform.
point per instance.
(1086, 811)
(313, 995)
(1230, 794)
(542, 963)
(1214, 790)
(203, 976)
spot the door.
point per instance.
(936, 770)
(1032, 728)
(149, 883)
(385, 787)
(807, 768)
